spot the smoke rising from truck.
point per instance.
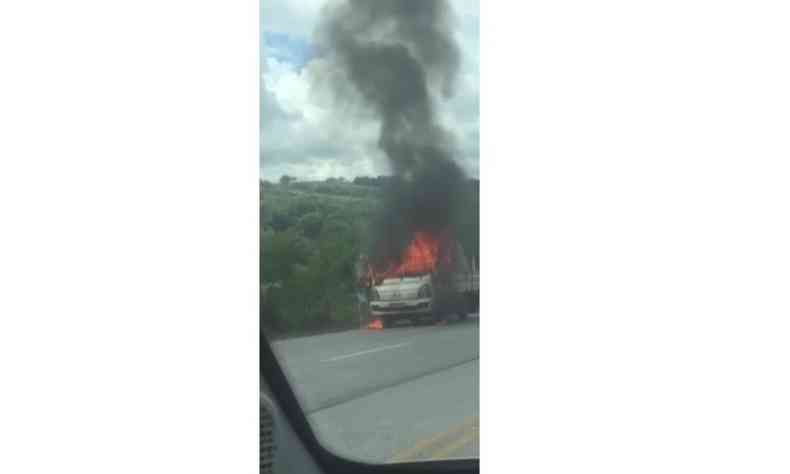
(398, 57)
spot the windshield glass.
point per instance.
(400, 281)
(369, 171)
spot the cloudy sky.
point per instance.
(306, 134)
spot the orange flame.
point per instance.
(375, 324)
(420, 257)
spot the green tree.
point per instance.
(303, 205)
(281, 221)
(281, 252)
(310, 224)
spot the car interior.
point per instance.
(289, 445)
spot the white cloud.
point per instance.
(295, 17)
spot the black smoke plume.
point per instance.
(398, 55)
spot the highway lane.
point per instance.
(394, 395)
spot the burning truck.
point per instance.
(432, 279)
(395, 61)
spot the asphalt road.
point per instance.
(395, 395)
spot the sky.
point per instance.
(304, 133)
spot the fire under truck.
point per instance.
(432, 280)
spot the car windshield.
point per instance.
(369, 170)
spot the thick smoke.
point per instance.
(397, 55)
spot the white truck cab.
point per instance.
(406, 297)
(450, 287)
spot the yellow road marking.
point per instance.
(437, 442)
(447, 451)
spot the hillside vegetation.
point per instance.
(311, 236)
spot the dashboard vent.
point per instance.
(267, 441)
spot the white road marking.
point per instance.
(377, 349)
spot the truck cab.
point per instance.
(408, 297)
(424, 293)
